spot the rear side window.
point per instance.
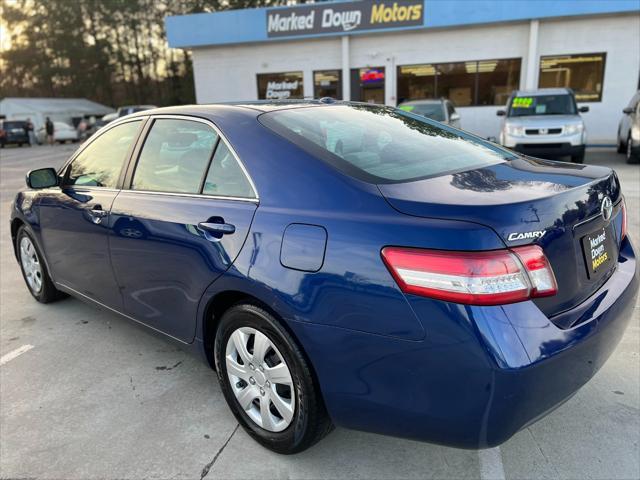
(225, 177)
(175, 156)
(100, 163)
(382, 145)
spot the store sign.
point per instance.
(344, 17)
(281, 90)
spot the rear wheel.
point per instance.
(267, 382)
(34, 269)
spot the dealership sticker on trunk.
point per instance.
(598, 251)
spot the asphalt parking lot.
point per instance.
(98, 397)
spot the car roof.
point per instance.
(254, 107)
(543, 91)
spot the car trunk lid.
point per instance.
(555, 205)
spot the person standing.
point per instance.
(50, 131)
(28, 129)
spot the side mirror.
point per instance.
(584, 109)
(628, 110)
(454, 117)
(42, 178)
(501, 113)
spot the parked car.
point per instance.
(422, 282)
(441, 110)
(12, 132)
(101, 122)
(544, 123)
(62, 132)
(629, 130)
(129, 109)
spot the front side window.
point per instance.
(562, 104)
(280, 86)
(175, 156)
(100, 163)
(583, 73)
(382, 145)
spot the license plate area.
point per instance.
(600, 252)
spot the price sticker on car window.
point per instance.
(522, 102)
(406, 108)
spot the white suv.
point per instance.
(544, 123)
(629, 130)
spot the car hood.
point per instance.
(534, 121)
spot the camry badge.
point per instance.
(606, 208)
(526, 235)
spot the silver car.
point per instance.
(441, 110)
(544, 123)
(629, 130)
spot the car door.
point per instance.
(74, 218)
(181, 224)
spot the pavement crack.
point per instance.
(164, 367)
(207, 467)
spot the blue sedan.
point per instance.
(342, 264)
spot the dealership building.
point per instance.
(474, 52)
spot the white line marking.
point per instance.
(491, 467)
(14, 353)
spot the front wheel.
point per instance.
(632, 157)
(34, 269)
(577, 158)
(267, 381)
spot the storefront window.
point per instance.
(280, 86)
(327, 83)
(367, 84)
(496, 80)
(416, 82)
(457, 82)
(484, 82)
(583, 73)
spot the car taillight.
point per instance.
(475, 278)
(624, 220)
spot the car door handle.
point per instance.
(97, 214)
(219, 228)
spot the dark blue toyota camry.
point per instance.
(342, 264)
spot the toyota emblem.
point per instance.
(606, 208)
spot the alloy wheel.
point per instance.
(31, 264)
(260, 379)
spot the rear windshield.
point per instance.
(380, 144)
(542, 105)
(429, 110)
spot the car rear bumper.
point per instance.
(550, 149)
(480, 375)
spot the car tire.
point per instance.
(622, 148)
(632, 157)
(305, 421)
(34, 269)
(577, 158)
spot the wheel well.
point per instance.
(222, 302)
(15, 225)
